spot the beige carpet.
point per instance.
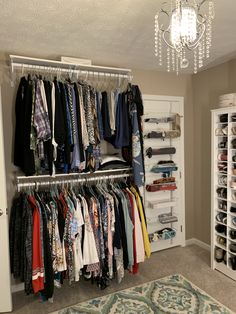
(192, 262)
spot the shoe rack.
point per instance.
(165, 201)
(223, 205)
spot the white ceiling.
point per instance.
(110, 32)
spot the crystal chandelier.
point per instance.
(185, 28)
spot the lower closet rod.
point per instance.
(36, 184)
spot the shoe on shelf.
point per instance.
(232, 247)
(232, 234)
(221, 217)
(233, 262)
(220, 229)
(219, 255)
(221, 240)
(225, 258)
(233, 209)
(234, 221)
(223, 205)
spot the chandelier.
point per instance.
(185, 29)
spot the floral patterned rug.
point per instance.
(169, 295)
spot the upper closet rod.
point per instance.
(51, 65)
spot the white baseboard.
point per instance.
(199, 243)
(17, 287)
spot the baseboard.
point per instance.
(199, 243)
(17, 287)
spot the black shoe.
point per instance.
(233, 262)
(219, 255)
(220, 229)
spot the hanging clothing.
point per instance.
(60, 126)
(96, 230)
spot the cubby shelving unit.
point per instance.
(223, 190)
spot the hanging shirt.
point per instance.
(37, 257)
(76, 151)
(147, 246)
(90, 255)
(78, 257)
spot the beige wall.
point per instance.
(162, 83)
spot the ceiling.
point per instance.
(109, 32)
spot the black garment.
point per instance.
(117, 234)
(122, 137)
(15, 236)
(49, 275)
(61, 218)
(27, 225)
(105, 117)
(48, 149)
(67, 144)
(123, 233)
(20, 234)
(23, 155)
(60, 123)
(81, 148)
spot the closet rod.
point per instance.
(37, 184)
(49, 65)
(22, 181)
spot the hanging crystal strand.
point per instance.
(173, 59)
(195, 61)
(208, 32)
(180, 58)
(203, 47)
(200, 62)
(160, 48)
(177, 64)
(211, 17)
(156, 30)
(168, 59)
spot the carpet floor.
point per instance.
(172, 294)
(192, 262)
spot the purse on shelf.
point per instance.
(167, 218)
(160, 151)
(163, 234)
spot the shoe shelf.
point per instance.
(223, 247)
(220, 223)
(221, 235)
(223, 191)
(163, 154)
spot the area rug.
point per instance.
(169, 295)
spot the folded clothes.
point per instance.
(163, 234)
(164, 134)
(164, 180)
(167, 218)
(159, 120)
(156, 134)
(161, 187)
(163, 169)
